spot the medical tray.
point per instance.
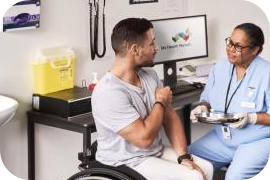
(217, 118)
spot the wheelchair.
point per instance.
(91, 169)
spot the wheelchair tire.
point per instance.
(96, 173)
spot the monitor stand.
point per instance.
(177, 86)
(170, 74)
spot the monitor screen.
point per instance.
(179, 39)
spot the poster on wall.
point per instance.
(173, 6)
(22, 15)
(141, 1)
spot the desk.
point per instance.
(85, 125)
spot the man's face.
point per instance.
(147, 50)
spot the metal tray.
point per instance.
(217, 118)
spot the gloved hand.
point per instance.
(244, 120)
(198, 110)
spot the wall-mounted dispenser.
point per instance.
(22, 15)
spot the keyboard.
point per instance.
(184, 87)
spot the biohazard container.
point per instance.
(53, 70)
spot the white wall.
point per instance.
(223, 16)
(64, 22)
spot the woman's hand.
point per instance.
(244, 120)
(198, 110)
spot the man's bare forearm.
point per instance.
(153, 122)
(175, 132)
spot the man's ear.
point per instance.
(134, 49)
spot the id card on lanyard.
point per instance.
(226, 132)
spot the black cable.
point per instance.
(91, 32)
(94, 40)
(104, 40)
(96, 19)
(228, 90)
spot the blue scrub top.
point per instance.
(253, 95)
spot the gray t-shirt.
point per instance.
(115, 105)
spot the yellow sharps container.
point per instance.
(53, 70)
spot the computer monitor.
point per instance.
(179, 39)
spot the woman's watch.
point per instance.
(185, 156)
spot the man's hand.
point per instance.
(198, 110)
(191, 165)
(244, 120)
(164, 95)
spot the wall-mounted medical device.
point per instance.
(96, 9)
(22, 15)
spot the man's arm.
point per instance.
(176, 135)
(175, 131)
(143, 132)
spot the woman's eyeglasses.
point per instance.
(237, 47)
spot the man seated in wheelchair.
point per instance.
(131, 106)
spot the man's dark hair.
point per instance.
(254, 33)
(129, 31)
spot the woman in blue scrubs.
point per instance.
(238, 84)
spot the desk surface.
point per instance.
(179, 100)
(77, 124)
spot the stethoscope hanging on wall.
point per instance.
(94, 28)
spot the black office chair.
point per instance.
(94, 170)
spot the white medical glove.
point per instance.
(198, 110)
(244, 120)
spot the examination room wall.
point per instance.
(65, 22)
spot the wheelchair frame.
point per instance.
(91, 169)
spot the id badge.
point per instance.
(226, 132)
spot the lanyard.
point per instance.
(228, 90)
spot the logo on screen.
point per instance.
(184, 35)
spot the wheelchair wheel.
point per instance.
(99, 174)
